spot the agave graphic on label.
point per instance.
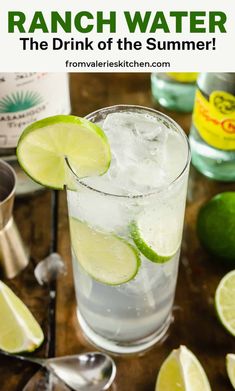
(19, 101)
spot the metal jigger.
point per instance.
(13, 256)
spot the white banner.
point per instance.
(117, 36)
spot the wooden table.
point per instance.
(195, 324)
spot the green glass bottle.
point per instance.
(212, 135)
(174, 91)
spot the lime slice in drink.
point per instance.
(182, 371)
(216, 226)
(19, 331)
(224, 301)
(230, 366)
(157, 239)
(105, 257)
(43, 146)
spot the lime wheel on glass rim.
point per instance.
(44, 145)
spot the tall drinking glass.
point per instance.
(136, 207)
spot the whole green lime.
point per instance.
(216, 226)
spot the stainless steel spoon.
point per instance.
(93, 371)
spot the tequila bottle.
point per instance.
(25, 98)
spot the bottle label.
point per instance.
(28, 97)
(215, 119)
(187, 77)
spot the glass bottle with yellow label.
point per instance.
(174, 91)
(212, 135)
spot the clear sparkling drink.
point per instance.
(138, 203)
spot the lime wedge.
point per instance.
(157, 239)
(43, 146)
(182, 371)
(230, 366)
(224, 301)
(19, 331)
(105, 257)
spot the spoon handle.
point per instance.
(40, 382)
(35, 360)
(52, 284)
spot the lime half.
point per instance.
(157, 239)
(230, 366)
(43, 146)
(182, 371)
(216, 226)
(19, 331)
(224, 301)
(105, 257)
